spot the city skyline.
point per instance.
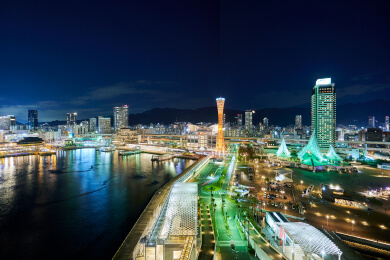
(156, 57)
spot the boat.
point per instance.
(106, 149)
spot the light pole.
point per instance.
(327, 220)
(285, 208)
(353, 222)
(301, 185)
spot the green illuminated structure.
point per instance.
(283, 151)
(332, 155)
(311, 154)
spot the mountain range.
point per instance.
(356, 113)
(346, 114)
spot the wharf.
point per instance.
(140, 228)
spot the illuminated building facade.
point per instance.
(265, 122)
(248, 120)
(92, 124)
(323, 113)
(121, 117)
(239, 119)
(220, 146)
(371, 121)
(71, 118)
(32, 119)
(104, 125)
(7, 122)
(298, 121)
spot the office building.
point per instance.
(298, 121)
(32, 119)
(93, 124)
(265, 122)
(239, 119)
(248, 120)
(71, 118)
(371, 121)
(387, 126)
(323, 113)
(7, 122)
(104, 125)
(121, 117)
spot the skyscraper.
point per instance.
(265, 122)
(323, 113)
(248, 119)
(239, 119)
(32, 119)
(298, 121)
(371, 121)
(92, 124)
(71, 118)
(220, 145)
(387, 126)
(104, 125)
(121, 117)
(6, 122)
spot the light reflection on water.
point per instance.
(78, 204)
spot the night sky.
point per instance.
(88, 56)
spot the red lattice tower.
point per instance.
(220, 147)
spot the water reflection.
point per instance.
(78, 204)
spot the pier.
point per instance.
(144, 238)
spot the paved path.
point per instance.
(208, 241)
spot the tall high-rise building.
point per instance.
(248, 119)
(265, 122)
(323, 113)
(92, 124)
(104, 125)
(387, 126)
(239, 119)
(12, 122)
(32, 119)
(71, 118)
(7, 122)
(298, 121)
(371, 121)
(121, 117)
(220, 145)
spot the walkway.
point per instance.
(208, 241)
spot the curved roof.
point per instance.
(310, 239)
(181, 217)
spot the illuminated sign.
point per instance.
(325, 81)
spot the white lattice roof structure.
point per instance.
(310, 239)
(181, 217)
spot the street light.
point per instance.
(327, 220)
(285, 208)
(301, 184)
(353, 222)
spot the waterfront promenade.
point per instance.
(131, 247)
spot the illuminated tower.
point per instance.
(220, 147)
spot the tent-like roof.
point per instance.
(311, 151)
(181, 217)
(310, 239)
(283, 151)
(332, 155)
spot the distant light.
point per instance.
(325, 81)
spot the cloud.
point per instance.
(360, 89)
(119, 89)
